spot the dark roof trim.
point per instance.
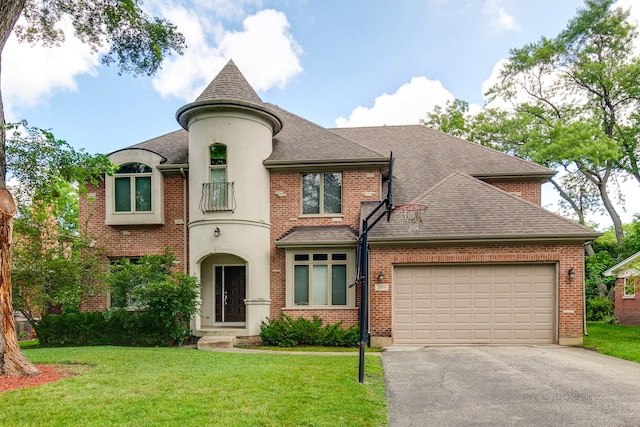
(544, 176)
(325, 163)
(316, 244)
(173, 169)
(416, 241)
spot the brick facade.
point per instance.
(531, 191)
(285, 214)
(286, 206)
(136, 240)
(627, 309)
(570, 291)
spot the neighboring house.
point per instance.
(627, 290)
(265, 208)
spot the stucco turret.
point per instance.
(230, 135)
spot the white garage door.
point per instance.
(474, 304)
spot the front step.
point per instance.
(212, 342)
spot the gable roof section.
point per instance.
(464, 209)
(627, 266)
(302, 143)
(425, 156)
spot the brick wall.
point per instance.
(530, 191)
(627, 309)
(570, 292)
(135, 240)
(357, 185)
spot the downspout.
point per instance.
(584, 294)
(184, 220)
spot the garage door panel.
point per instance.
(474, 304)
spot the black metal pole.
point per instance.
(364, 280)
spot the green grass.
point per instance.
(615, 340)
(169, 386)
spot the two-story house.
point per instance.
(265, 208)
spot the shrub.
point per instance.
(169, 304)
(600, 309)
(288, 332)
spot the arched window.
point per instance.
(218, 175)
(132, 188)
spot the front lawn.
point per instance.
(170, 386)
(614, 340)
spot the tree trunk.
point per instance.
(12, 361)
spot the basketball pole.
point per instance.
(363, 250)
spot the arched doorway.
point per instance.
(224, 290)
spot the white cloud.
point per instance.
(410, 103)
(264, 50)
(499, 19)
(32, 74)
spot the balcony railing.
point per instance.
(217, 197)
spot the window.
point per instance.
(630, 286)
(218, 176)
(320, 279)
(132, 188)
(321, 193)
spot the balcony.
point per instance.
(217, 197)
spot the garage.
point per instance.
(474, 304)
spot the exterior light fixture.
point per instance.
(381, 276)
(571, 273)
(217, 232)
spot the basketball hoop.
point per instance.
(412, 215)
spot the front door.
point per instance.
(230, 293)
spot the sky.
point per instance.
(334, 62)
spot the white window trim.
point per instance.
(132, 185)
(625, 295)
(290, 279)
(156, 215)
(321, 196)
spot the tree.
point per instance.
(54, 264)
(137, 43)
(574, 107)
(582, 96)
(48, 252)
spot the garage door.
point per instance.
(464, 304)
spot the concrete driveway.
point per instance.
(509, 385)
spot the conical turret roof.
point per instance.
(230, 85)
(229, 89)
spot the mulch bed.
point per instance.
(48, 374)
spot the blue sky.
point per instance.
(334, 62)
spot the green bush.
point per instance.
(288, 332)
(600, 309)
(169, 304)
(112, 327)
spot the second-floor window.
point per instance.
(132, 186)
(321, 193)
(218, 175)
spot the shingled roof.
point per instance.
(230, 85)
(173, 146)
(425, 156)
(229, 89)
(304, 142)
(463, 208)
